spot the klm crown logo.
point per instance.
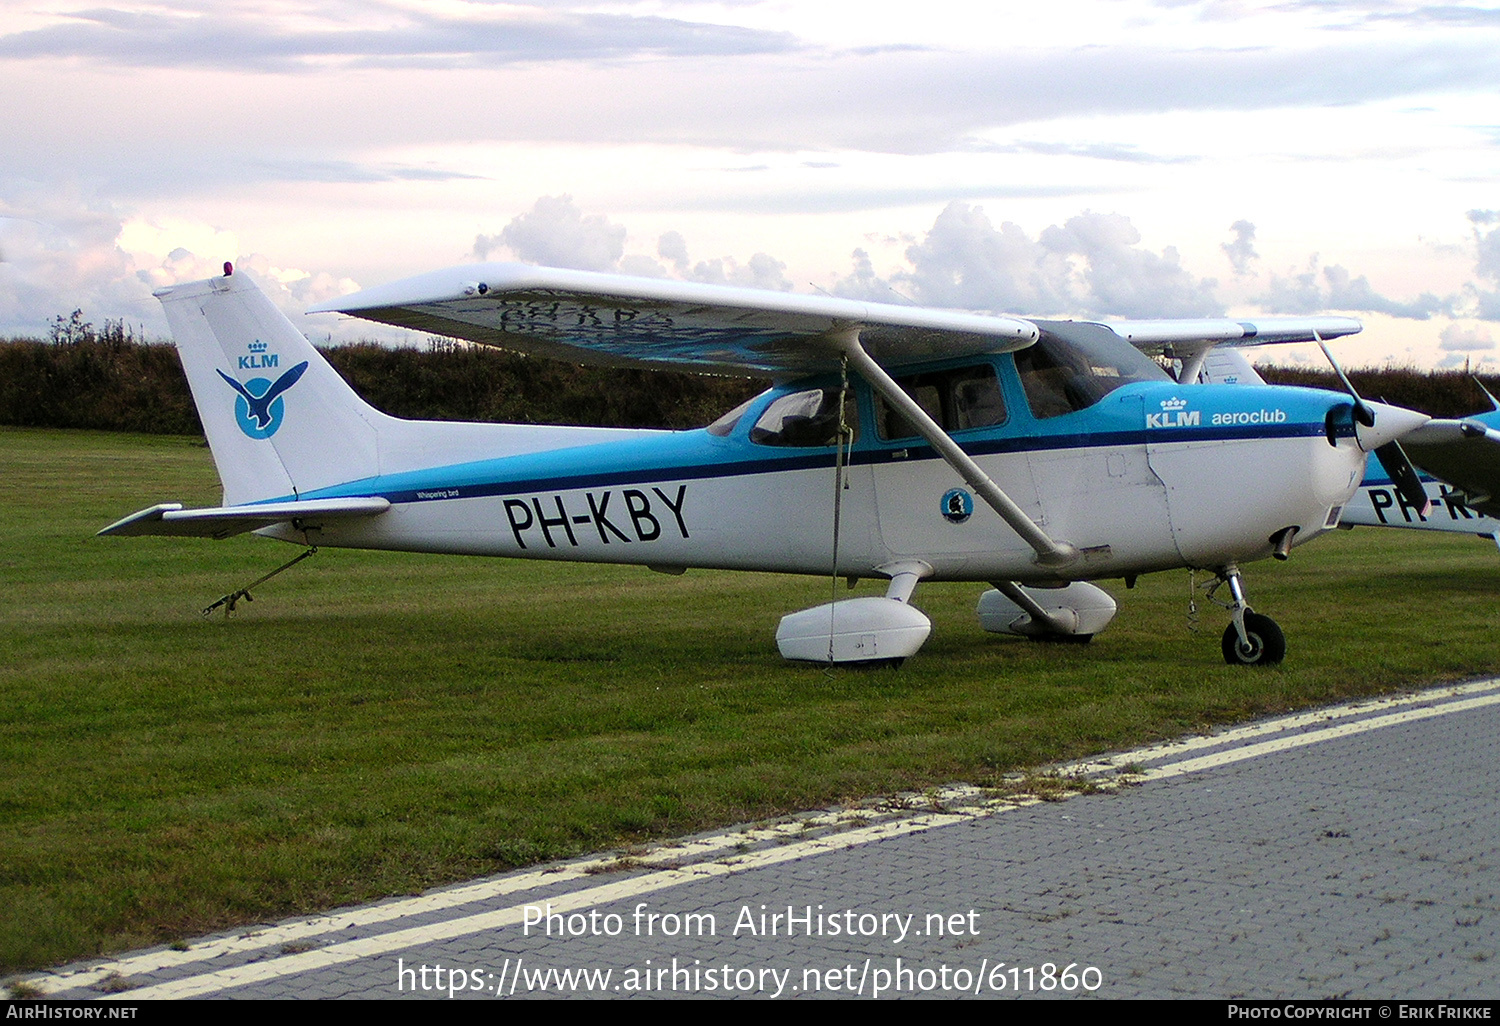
(257, 357)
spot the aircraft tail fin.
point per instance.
(279, 419)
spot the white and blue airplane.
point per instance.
(898, 442)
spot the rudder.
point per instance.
(280, 420)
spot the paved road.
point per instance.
(1352, 852)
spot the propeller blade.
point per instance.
(1493, 401)
(1362, 413)
(1404, 476)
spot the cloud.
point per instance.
(1302, 293)
(1487, 264)
(1465, 346)
(642, 266)
(672, 246)
(1351, 13)
(61, 254)
(863, 283)
(1487, 242)
(250, 36)
(1126, 280)
(761, 271)
(842, 198)
(336, 171)
(1293, 294)
(1123, 152)
(923, 102)
(468, 73)
(1445, 15)
(327, 92)
(1091, 264)
(555, 233)
(965, 262)
(1346, 292)
(67, 251)
(1241, 251)
(1457, 338)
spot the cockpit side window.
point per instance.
(957, 399)
(1064, 375)
(806, 419)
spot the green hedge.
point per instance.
(1441, 393)
(112, 380)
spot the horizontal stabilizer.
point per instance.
(169, 518)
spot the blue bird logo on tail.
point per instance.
(259, 408)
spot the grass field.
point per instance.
(376, 724)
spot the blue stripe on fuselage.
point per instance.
(1117, 420)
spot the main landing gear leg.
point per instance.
(1250, 639)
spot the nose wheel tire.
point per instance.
(1267, 644)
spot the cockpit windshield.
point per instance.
(1074, 365)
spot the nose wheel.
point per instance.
(1263, 644)
(1250, 639)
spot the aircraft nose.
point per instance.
(1391, 422)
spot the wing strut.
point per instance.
(1048, 552)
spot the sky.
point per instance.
(1080, 158)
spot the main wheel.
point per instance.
(1267, 643)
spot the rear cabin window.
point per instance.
(806, 419)
(958, 399)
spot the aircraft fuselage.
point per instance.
(1150, 477)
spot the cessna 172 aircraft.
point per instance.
(897, 442)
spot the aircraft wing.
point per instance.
(1465, 453)
(586, 317)
(169, 518)
(1187, 337)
